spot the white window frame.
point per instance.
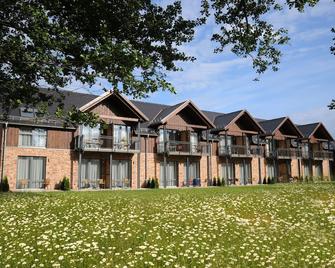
(36, 134)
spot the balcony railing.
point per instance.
(240, 151)
(106, 144)
(287, 153)
(321, 155)
(182, 148)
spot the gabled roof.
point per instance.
(224, 121)
(271, 126)
(165, 114)
(309, 130)
(109, 94)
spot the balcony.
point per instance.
(322, 155)
(183, 148)
(106, 144)
(240, 151)
(288, 153)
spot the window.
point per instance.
(171, 174)
(33, 137)
(222, 144)
(121, 177)
(193, 173)
(30, 172)
(90, 173)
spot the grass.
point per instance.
(272, 226)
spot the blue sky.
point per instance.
(301, 89)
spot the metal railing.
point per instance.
(182, 147)
(106, 143)
(288, 153)
(321, 155)
(240, 150)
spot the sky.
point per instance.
(301, 89)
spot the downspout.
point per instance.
(146, 156)
(208, 158)
(259, 161)
(310, 158)
(139, 155)
(3, 150)
(227, 172)
(165, 154)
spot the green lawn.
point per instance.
(260, 226)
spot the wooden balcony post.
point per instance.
(110, 170)
(226, 148)
(79, 169)
(310, 163)
(259, 161)
(187, 171)
(299, 158)
(209, 166)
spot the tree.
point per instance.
(332, 105)
(132, 44)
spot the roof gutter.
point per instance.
(3, 150)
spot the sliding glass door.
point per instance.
(121, 177)
(245, 173)
(171, 174)
(192, 174)
(227, 172)
(90, 173)
(30, 172)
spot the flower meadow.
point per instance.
(289, 225)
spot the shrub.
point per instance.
(214, 181)
(223, 182)
(218, 182)
(4, 186)
(65, 184)
(152, 183)
(156, 183)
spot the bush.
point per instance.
(65, 184)
(219, 182)
(214, 181)
(4, 186)
(223, 182)
(156, 183)
(264, 181)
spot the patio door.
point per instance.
(193, 174)
(30, 172)
(171, 174)
(90, 173)
(227, 172)
(245, 173)
(121, 177)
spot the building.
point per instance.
(180, 145)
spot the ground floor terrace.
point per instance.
(281, 225)
(28, 168)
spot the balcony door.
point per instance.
(223, 143)
(318, 169)
(91, 136)
(121, 136)
(171, 174)
(121, 174)
(194, 142)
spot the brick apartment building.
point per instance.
(180, 145)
